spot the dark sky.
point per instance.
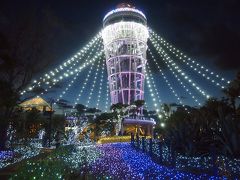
(207, 30)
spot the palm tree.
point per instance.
(138, 104)
(80, 109)
(167, 108)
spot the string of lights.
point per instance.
(166, 58)
(49, 77)
(153, 89)
(78, 70)
(76, 76)
(77, 99)
(100, 85)
(46, 89)
(152, 95)
(107, 98)
(167, 81)
(187, 90)
(181, 57)
(191, 63)
(93, 83)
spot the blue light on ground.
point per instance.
(121, 161)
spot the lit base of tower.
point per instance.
(138, 125)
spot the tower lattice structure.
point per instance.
(125, 36)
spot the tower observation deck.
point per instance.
(125, 36)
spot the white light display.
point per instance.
(197, 67)
(76, 76)
(180, 82)
(50, 76)
(124, 30)
(153, 90)
(100, 85)
(93, 83)
(167, 82)
(77, 99)
(166, 58)
(184, 87)
(107, 98)
(79, 69)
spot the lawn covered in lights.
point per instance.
(66, 162)
(111, 161)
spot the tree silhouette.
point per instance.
(24, 52)
(80, 109)
(233, 91)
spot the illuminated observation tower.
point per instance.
(125, 36)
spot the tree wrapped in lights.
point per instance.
(119, 111)
(11, 136)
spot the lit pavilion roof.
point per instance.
(35, 102)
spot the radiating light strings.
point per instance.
(191, 63)
(166, 58)
(84, 85)
(107, 104)
(49, 77)
(100, 85)
(167, 81)
(76, 76)
(187, 90)
(86, 64)
(93, 83)
(153, 89)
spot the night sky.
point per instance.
(208, 31)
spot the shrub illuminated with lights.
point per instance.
(62, 163)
